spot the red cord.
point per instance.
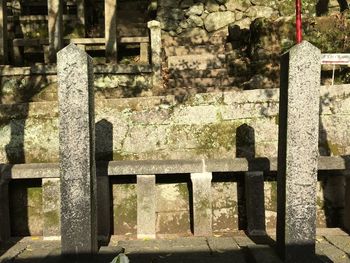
(298, 21)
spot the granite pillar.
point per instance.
(255, 203)
(202, 204)
(3, 32)
(146, 206)
(55, 27)
(5, 229)
(51, 199)
(156, 60)
(298, 152)
(77, 151)
(111, 30)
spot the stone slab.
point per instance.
(77, 152)
(255, 203)
(298, 152)
(202, 204)
(146, 206)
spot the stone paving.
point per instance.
(333, 245)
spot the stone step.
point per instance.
(200, 82)
(192, 73)
(194, 50)
(197, 62)
(185, 91)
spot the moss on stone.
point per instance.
(183, 190)
(52, 218)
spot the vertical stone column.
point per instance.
(156, 60)
(81, 13)
(111, 30)
(55, 27)
(202, 204)
(3, 32)
(51, 208)
(255, 203)
(77, 151)
(103, 208)
(298, 152)
(146, 206)
(347, 203)
(144, 52)
(5, 229)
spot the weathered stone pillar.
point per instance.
(298, 152)
(3, 32)
(81, 13)
(51, 208)
(103, 208)
(5, 230)
(55, 27)
(156, 60)
(77, 151)
(255, 203)
(111, 30)
(146, 206)
(202, 204)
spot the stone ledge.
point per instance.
(139, 167)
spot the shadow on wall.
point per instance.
(322, 6)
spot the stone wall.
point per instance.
(212, 125)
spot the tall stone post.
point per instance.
(202, 204)
(4, 210)
(298, 152)
(81, 14)
(111, 30)
(156, 60)
(3, 32)
(255, 206)
(55, 27)
(77, 151)
(146, 206)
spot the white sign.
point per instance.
(335, 59)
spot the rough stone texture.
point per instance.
(217, 20)
(202, 204)
(254, 196)
(146, 206)
(298, 152)
(77, 152)
(51, 196)
(3, 32)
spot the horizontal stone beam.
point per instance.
(139, 167)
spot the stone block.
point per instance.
(202, 204)
(51, 208)
(298, 152)
(146, 206)
(255, 207)
(77, 152)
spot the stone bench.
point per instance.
(146, 171)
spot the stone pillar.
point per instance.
(81, 14)
(146, 206)
(77, 151)
(347, 204)
(255, 203)
(202, 204)
(5, 229)
(156, 60)
(103, 208)
(298, 152)
(111, 30)
(55, 27)
(51, 199)
(3, 32)
(144, 52)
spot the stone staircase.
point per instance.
(196, 65)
